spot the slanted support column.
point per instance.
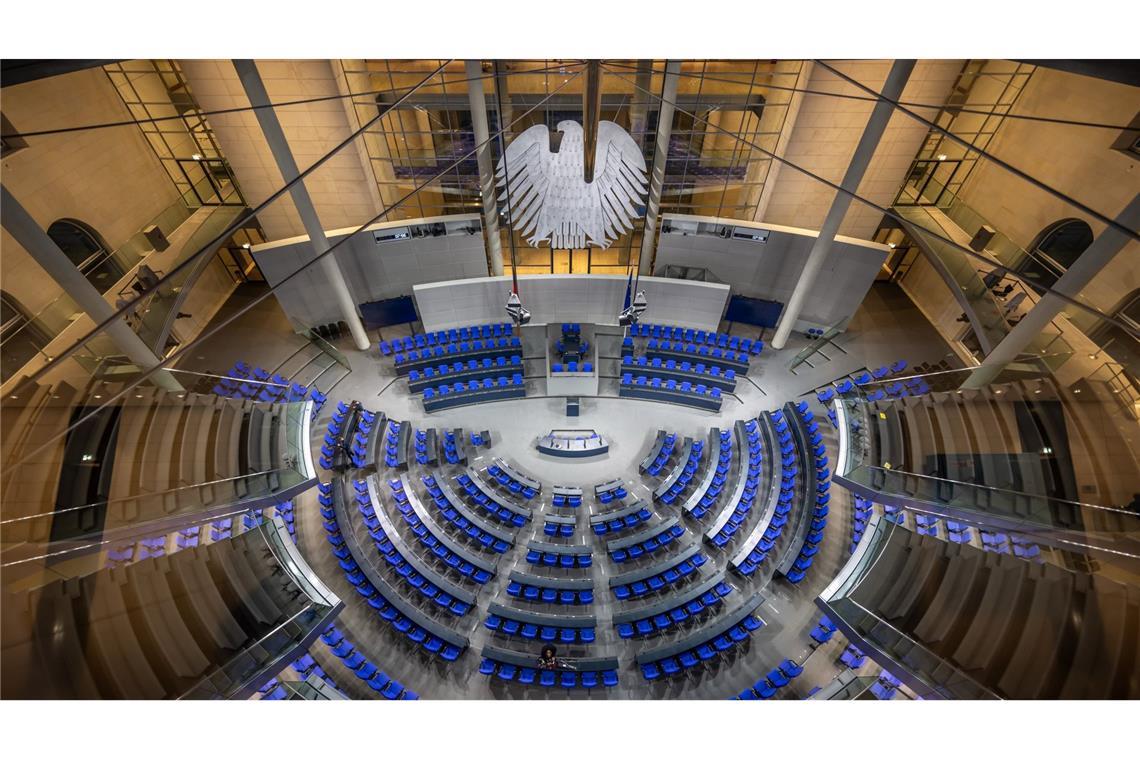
(475, 94)
(287, 165)
(591, 115)
(661, 154)
(59, 267)
(860, 159)
(639, 108)
(1090, 263)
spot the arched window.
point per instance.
(1054, 250)
(86, 249)
(20, 336)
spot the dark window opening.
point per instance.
(87, 250)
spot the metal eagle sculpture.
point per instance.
(550, 201)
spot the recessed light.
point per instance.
(98, 396)
(246, 246)
(942, 156)
(13, 397)
(196, 156)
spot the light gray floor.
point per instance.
(886, 328)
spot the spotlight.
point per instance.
(520, 315)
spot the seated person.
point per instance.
(549, 660)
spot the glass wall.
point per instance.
(709, 171)
(159, 97)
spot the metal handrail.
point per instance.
(935, 687)
(1002, 490)
(221, 668)
(106, 542)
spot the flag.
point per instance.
(628, 291)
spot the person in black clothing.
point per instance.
(549, 660)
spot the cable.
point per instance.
(991, 158)
(243, 109)
(849, 96)
(990, 264)
(240, 312)
(233, 226)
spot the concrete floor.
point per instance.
(886, 328)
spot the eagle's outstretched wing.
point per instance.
(549, 199)
(620, 181)
(528, 159)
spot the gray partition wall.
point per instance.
(384, 261)
(765, 261)
(590, 298)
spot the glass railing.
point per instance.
(328, 348)
(59, 313)
(39, 539)
(987, 314)
(1075, 525)
(819, 342)
(313, 609)
(929, 675)
(845, 687)
(1120, 385)
(158, 310)
(879, 454)
(251, 591)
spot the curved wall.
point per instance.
(592, 298)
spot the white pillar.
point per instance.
(287, 165)
(661, 154)
(860, 159)
(60, 268)
(1090, 263)
(478, 99)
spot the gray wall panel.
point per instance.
(374, 270)
(769, 270)
(589, 298)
